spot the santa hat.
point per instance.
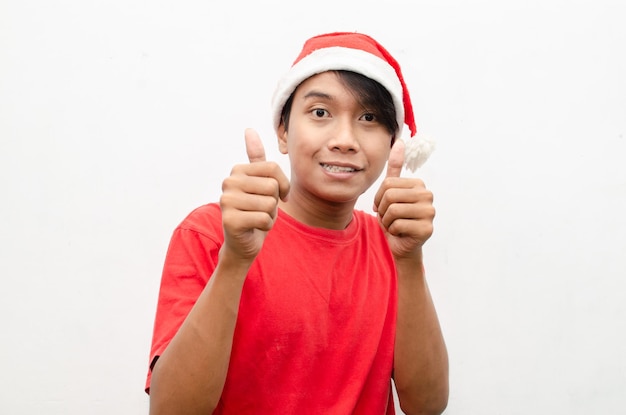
(362, 54)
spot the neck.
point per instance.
(318, 214)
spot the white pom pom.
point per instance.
(417, 150)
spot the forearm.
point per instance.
(189, 376)
(421, 359)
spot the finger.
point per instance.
(283, 187)
(408, 211)
(394, 168)
(254, 146)
(396, 159)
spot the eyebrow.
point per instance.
(317, 94)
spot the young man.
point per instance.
(283, 298)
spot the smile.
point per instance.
(338, 169)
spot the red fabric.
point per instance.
(316, 326)
(367, 44)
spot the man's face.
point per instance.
(337, 148)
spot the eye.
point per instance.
(370, 117)
(319, 113)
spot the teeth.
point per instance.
(338, 169)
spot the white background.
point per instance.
(118, 117)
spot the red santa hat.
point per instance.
(362, 54)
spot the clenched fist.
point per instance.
(405, 208)
(249, 200)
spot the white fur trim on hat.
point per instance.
(339, 58)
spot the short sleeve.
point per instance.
(191, 258)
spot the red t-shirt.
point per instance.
(316, 326)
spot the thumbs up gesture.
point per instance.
(249, 200)
(404, 207)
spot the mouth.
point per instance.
(332, 168)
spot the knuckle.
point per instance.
(268, 187)
(274, 167)
(225, 200)
(428, 195)
(267, 204)
(393, 210)
(268, 222)
(427, 229)
(237, 169)
(226, 183)
(388, 182)
(428, 211)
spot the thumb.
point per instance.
(396, 159)
(254, 146)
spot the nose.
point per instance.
(344, 137)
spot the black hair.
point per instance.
(370, 94)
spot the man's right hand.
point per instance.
(249, 200)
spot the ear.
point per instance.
(281, 134)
